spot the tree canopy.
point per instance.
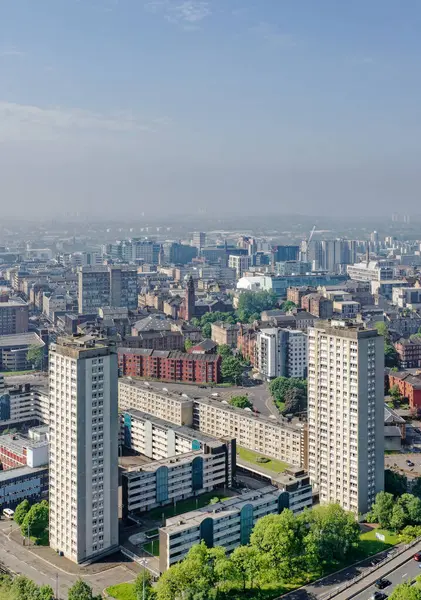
(224, 350)
(232, 369)
(251, 304)
(23, 588)
(289, 393)
(394, 514)
(395, 483)
(35, 356)
(288, 305)
(406, 591)
(241, 402)
(81, 591)
(36, 520)
(21, 511)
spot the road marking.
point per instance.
(404, 575)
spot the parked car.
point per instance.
(382, 583)
(417, 556)
(410, 463)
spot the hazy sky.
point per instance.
(124, 106)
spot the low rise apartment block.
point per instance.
(170, 480)
(225, 333)
(284, 439)
(23, 403)
(228, 523)
(23, 483)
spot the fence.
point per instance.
(141, 560)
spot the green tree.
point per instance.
(253, 303)
(410, 533)
(279, 541)
(383, 330)
(395, 392)
(187, 345)
(36, 520)
(24, 588)
(232, 369)
(144, 581)
(381, 511)
(21, 511)
(240, 402)
(81, 591)
(412, 508)
(172, 583)
(333, 534)
(397, 518)
(288, 305)
(35, 356)
(391, 358)
(280, 386)
(224, 350)
(416, 487)
(207, 330)
(45, 592)
(394, 483)
(246, 564)
(214, 500)
(406, 591)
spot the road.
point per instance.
(406, 572)
(22, 561)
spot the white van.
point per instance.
(8, 513)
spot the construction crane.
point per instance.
(307, 241)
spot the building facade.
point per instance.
(23, 483)
(346, 414)
(225, 333)
(170, 365)
(13, 315)
(106, 285)
(282, 353)
(84, 450)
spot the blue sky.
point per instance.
(251, 104)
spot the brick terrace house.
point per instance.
(409, 386)
(170, 366)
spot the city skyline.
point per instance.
(172, 105)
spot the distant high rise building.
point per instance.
(284, 253)
(83, 450)
(199, 239)
(13, 315)
(331, 255)
(179, 254)
(107, 285)
(346, 414)
(281, 353)
(239, 263)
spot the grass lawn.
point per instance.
(277, 466)
(122, 591)
(371, 545)
(185, 505)
(152, 547)
(12, 373)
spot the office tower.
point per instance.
(345, 414)
(13, 315)
(106, 285)
(83, 450)
(284, 253)
(329, 255)
(199, 239)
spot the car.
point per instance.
(380, 584)
(410, 463)
(378, 596)
(417, 556)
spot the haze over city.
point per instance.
(179, 106)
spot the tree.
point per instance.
(295, 399)
(406, 591)
(394, 483)
(144, 581)
(214, 500)
(253, 303)
(410, 533)
(333, 534)
(232, 369)
(45, 592)
(24, 588)
(245, 565)
(241, 402)
(187, 345)
(224, 350)
(81, 591)
(288, 305)
(395, 392)
(279, 541)
(412, 507)
(279, 387)
(397, 518)
(36, 520)
(383, 330)
(207, 330)
(416, 487)
(391, 357)
(172, 583)
(21, 511)
(381, 511)
(35, 356)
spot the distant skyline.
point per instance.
(158, 106)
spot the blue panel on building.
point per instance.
(162, 484)
(246, 523)
(5, 407)
(197, 473)
(127, 431)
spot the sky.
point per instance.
(123, 107)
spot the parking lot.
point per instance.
(398, 463)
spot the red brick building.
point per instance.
(317, 305)
(246, 343)
(170, 366)
(409, 386)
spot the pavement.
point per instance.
(32, 563)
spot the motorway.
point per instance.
(22, 561)
(404, 573)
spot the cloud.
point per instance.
(12, 52)
(20, 122)
(185, 12)
(273, 35)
